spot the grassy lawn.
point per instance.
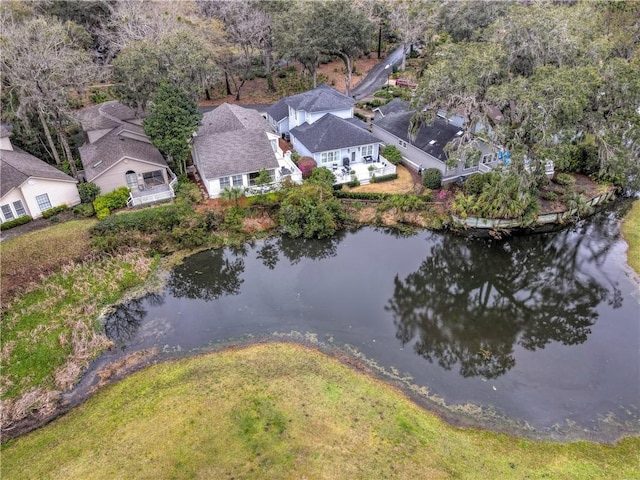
(284, 411)
(631, 233)
(49, 330)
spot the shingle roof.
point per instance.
(320, 99)
(234, 152)
(439, 132)
(226, 118)
(331, 133)
(279, 110)
(105, 115)
(394, 106)
(126, 141)
(16, 166)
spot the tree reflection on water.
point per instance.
(125, 319)
(470, 302)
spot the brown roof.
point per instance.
(127, 141)
(16, 166)
(226, 118)
(106, 115)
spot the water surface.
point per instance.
(543, 331)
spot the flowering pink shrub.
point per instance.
(306, 165)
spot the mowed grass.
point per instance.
(631, 233)
(27, 257)
(278, 411)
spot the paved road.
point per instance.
(377, 76)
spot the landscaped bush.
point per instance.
(147, 220)
(84, 210)
(564, 179)
(391, 153)
(384, 178)
(550, 196)
(15, 222)
(112, 200)
(88, 191)
(474, 184)
(361, 195)
(187, 192)
(584, 159)
(295, 156)
(432, 178)
(306, 166)
(353, 183)
(53, 211)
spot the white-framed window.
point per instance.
(237, 180)
(366, 150)
(330, 157)
(43, 202)
(402, 143)
(19, 208)
(225, 182)
(6, 212)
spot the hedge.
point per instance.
(361, 195)
(148, 220)
(112, 201)
(384, 178)
(15, 222)
(391, 153)
(52, 211)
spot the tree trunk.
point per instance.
(67, 151)
(226, 83)
(347, 77)
(207, 94)
(404, 57)
(238, 88)
(379, 39)
(267, 69)
(47, 133)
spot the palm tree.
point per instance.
(232, 193)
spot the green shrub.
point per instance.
(564, 179)
(384, 178)
(84, 210)
(354, 183)
(391, 153)
(187, 192)
(361, 195)
(88, 191)
(191, 232)
(432, 178)
(474, 184)
(112, 200)
(103, 213)
(147, 220)
(550, 196)
(15, 222)
(295, 156)
(53, 211)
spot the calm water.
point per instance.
(543, 330)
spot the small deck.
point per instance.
(362, 170)
(157, 193)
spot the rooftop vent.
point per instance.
(432, 142)
(458, 133)
(95, 165)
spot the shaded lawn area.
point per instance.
(284, 411)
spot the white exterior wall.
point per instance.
(347, 153)
(311, 117)
(114, 177)
(59, 193)
(214, 189)
(13, 196)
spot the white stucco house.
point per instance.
(118, 154)
(30, 186)
(232, 146)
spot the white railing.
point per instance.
(154, 197)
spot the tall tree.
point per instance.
(172, 120)
(409, 20)
(43, 69)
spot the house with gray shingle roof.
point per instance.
(309, 107)
(232, 146)
(118, 154)
(28, 185)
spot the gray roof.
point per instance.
(279, 110)
(394, 106)
(439, 132)
(106, 115)
(226, 118)
(5, 129)
(233, 140)
(320, 99)
(234, 152)
(332, 133)
(16, 166)
(126, 141)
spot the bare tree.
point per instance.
(409, 20)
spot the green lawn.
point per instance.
(631, 233)
(284, 411)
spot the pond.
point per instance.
(536, 335)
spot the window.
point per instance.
(43, 202)
(132, 179)
(237, 180)
(153, 179)
(367, 150)
(225, 182)
(330, 157)
(6, 211)
(274, 145)
(17, 206)
(402, 143)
